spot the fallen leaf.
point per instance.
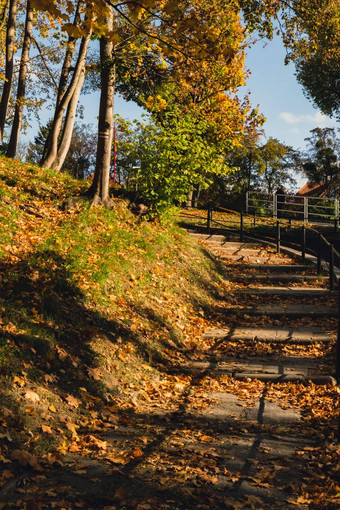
(94, 373)
(46, 429)
(7, 474)
(31, 395)
(137, 452)
(19, 381)
(94, 441)
(25, 459)
(72, 401)
(52, 409)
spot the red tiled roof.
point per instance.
(310, 189)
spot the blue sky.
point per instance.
(290, 115)
(273, 86)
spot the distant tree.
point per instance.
(80, 158)
(321, 161)
(36, 148)
(276, 162)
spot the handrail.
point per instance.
(321, 239)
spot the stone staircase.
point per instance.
(289, 303)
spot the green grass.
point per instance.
(90, 289)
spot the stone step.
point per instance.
(216, 238)
(279, 278)
(303, 335)
(263, 259)
(231, 246)
(285, 292)
(277, 267)
(285, 310)
(294, 369)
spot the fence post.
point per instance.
(274, 205)
(336, 214)
(331, 267)
(254, 219)
(303, 244)
(247, 202)
(318, 266)
(208, 219)
(241, 227)
(278, 237)
(305, 209)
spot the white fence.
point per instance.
(295, 207)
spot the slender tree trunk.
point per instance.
(6, 92)
(100, 186)
(64, 76)
(190, 198)
(196, 195)
(19, 106)
(52, 149)
(65, 143)
(70, 49)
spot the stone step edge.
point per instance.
(288, 341)
(283, 313)
(263, 377)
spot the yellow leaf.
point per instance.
(52, 409)
(19, 381)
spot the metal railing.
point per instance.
(299, 208)
(311, 243)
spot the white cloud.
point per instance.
(290, 118)
(318, 118)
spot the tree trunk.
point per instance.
(196, 195)
(65, 143)
(190, 197)
(100, 186)
(10, 43)
(70, 49)
(64, 77)
(19, 106)
(52, 149)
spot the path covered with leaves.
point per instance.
(122, 362)
(195, 437)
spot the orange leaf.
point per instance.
(95, 373)
(137, 452)
(72, 401)
(7, 474)
(19, 381)
(47, 429)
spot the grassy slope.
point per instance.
(94, 307)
